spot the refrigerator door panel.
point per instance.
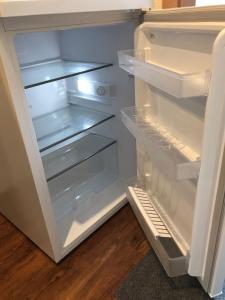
(218, 274)
(18, 8)
(209, 197)
(20, 162)
(179, 144)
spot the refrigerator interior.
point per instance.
(172, 68)
(75, 90)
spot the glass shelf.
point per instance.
(178, 83)
(46, 72)
(176, 160)
(73, 152)
(54, 128)
(83, 181)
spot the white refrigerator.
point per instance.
(99, 104)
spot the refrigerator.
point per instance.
(100, 106)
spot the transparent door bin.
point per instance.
(174, 261)
(58, 126)
(176, 160)
(83, 182)
(179, 84)
(69, 154)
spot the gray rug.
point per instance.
(148, 281)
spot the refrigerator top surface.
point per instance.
(18, 8)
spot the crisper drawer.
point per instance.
(171, 257)
(81, 183)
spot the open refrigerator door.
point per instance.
(178, 123)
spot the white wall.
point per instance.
(209, 2)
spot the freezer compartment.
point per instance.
(81, 183)
(73, 152)
(49, 71)
(178, 83)
(58, 126)
(174, 261)
(175, 159)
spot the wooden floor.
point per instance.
(93, 271)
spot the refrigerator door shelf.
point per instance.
(177, 83)
(175, 160)
(174, 261)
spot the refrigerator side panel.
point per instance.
(23, 192)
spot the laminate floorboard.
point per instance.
(93, 271)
